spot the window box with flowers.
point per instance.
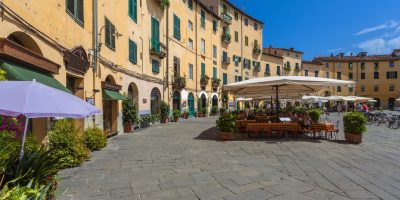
(216, 83)
(179, 82)
(286, 68)
(256, 49)
(204, 81)
(164, 4)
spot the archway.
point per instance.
(176, 101)
(155, 98)
(391, 103)
(215, 101)
(110, 112)
(191, 104)
(26, 41)
(133, 94)
(203, 101)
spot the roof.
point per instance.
(358, 58)
(313, 62)
(270, 54)
(208, 9)
(242, 12)
(285, 49)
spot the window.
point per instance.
(215, 76)
(339, 88)
(362, 75)
(391, 63)
(327, 75)
(376, 75)
(224, 56)
(351, 89)
(75, 10)
(255, 26)
(316, 73)
(376, 88)
(246, 40)
(246, 22)
(177, 27)
(350, 65)
(376, 64)
(278, 70)
(350, 75)
(215, 25)
(391, 75)
(306, 72)
(190, 4)
(236, 16)
(190, 25)
(297, 66)
(203, 46)
(190, 44)
(132, 52)
(214, 52)
(155, 35)
(391, 88)
(236, 36)
(238, 78)
(327, 65)
(224, 78)
(155, 66)
(190, 72)
(362, 88)
(267, 69)
(362, 66)
(203, 69)
(109, 35)
(132, 10)
(203, 19)
(339, 75)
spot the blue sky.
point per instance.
(322, 27)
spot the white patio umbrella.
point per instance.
(35, 100)
(283, 85)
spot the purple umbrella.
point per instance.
(35, 100)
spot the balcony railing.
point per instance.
(179, 82)
(226, 60)
(256, 49)
(226, 37)
(157, 48)
(226, 17)
(257, 68)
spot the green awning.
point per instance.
(112, 95)
(18, 72)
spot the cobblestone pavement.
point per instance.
(182, 161)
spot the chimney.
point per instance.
(291, 49)
(340, 55)
(396, 52)
(351, 54)
(362, 54)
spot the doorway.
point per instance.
(191, 104)
(176, 102)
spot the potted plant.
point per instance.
(175, 115)
(204, 81)
(354, 126)
(204, 112)
(199, 108)
(214, 110)
(227, 126)
(315, 114)
(222, 111)
(164, 112)
(185, 115)
(129, 115)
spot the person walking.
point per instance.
(339, 108)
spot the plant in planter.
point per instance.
(214, 110)
(164, 112)
(315, 114)
(216, 82)
(199, 108)
(179, 82)
(185, 115)
(227, 126)
(354, 126)
(204, 111)
(222, 111)
(204, 81)
(164, 4)
(175, 115)
(129, 115)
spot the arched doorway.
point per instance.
(155, 98)
(391, 103)
(176, 101)
(26, 41)
(110, 112)
(215, 101)
(191, 104)
(133, 94)
(203, 101)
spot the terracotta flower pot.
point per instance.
(128, 127)
(164, 120)
(226, 136)
(353, 138)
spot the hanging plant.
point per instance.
(164, 4)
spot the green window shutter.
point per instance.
(203, 69)
(155, 34)
(80, 12)
(132, 10)
(70, 6)
(190, 4)
(177, 27)
(132, 52)
(214, 72)
(155, 66)
(224, 78)
(107, 32)
(135, 10)
(215, 25)
(112, 31)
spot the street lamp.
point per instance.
(115, 34)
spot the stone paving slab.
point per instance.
(183, 161)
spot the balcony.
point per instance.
(267, 73)
(226, 60)
(226, 18)
(226, 37)
(204, 81)
(179, 82)
(256, 49)
(158, 49)
(257, 68)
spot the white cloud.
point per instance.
(379, 45)
(392, 24)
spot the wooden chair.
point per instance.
(317, 128)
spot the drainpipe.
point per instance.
(95, 47)
(197, 48)
(166, 82)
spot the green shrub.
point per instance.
(227, 122)
(315, 114)
(164, 109)
(222, 111)
(214, 110)
(355, 123)
(67, 144)
(28, 192)
(176, 114)
(94, 139)
(129, 112)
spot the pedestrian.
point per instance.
(339, 108)
(365, 108)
